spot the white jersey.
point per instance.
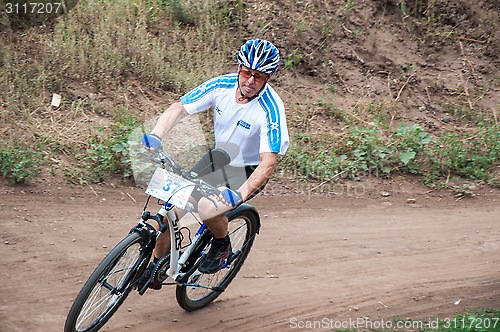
(243, 130)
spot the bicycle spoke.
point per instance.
(201, 289)
(111, 285)
(88, 313)
(97, 299)
(200, 285)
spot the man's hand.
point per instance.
(231, 197)
(151, 141)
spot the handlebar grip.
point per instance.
(232, 197)
(151, 141)
(217, 192)
(206, 188)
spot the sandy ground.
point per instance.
(317, 263)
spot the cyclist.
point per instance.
(249, 124)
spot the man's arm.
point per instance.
(169, 119)
(262, 173)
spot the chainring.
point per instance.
(160, 270)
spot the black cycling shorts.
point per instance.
(231, 177)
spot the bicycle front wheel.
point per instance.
(108, 286)
(200, 289)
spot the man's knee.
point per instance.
(206, 209)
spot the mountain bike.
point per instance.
(118, 273)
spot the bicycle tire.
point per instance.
(108, 286)
(199, 289)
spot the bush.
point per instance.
(18, 163)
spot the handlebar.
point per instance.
(160, 157)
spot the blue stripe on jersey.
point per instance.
(273, 120)
(221, 82)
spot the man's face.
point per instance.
(251, 81)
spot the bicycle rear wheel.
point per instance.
(200, 289)
(108, 286)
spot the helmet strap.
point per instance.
(243, 97)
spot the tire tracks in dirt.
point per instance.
(322, 258)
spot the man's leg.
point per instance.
(162, 247)
(217, 223)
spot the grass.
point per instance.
(19, 163)
(293, 59)
(375, 151)
(102, 45)
(102, 42)
(107, 155)
(481, 321)
(96, 52)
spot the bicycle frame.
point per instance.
(175, 245)
(167, 218)
(177, 262)
(122, 270)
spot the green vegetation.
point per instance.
(107, 154)
(293, 59)
(101, 50)
(373, 151)
(480, 321)
(19, 163)
(94, 50)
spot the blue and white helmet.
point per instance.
(260, 55)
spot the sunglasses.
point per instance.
(258, 77)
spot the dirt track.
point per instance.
(316, 259)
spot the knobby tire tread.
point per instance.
(181, 291)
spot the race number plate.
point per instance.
(170, 188)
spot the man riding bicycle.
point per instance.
(249, 124)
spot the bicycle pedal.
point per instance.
(144, 288)
(234, 255)
(149, 282)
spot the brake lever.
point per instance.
(206, 190)
(152, 157)
(213, 202)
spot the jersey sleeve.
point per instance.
(202, 98)
(274, 132)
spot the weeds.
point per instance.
(107, 154)
(408, 149)
(368, 151)
(104, 45)
(482, 320)
(470, 156)
(350, 5)
(465, 190)
(227, 13)
(177, 11)
(19, 164)
(167, 44)
(412, 142)
(293, 59)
